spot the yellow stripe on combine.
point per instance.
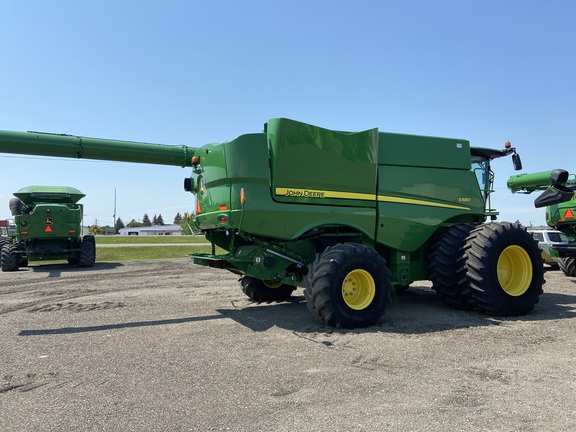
(419, 202)
(321, 194)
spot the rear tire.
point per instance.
(348, 286)
(568, 266)
(263, 291)
(444, 265)
(5, 241)
(502, 269)
(87, 254)
(10, 258)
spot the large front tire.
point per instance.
(502, 269)
(568, 266)
(348, 286)
(443, 265)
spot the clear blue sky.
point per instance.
(194, 72)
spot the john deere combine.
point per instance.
(560, 201)
(348, 216)
(47, 226)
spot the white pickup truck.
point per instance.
(549, 242)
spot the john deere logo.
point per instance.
(48, 221)
(202, 187)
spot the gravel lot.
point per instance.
(165, 345)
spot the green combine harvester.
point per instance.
(348, 216)
(560, 214)
(47, 226)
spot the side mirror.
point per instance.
(516, 162)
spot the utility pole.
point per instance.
(114, 215)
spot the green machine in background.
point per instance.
(349, 216)
(559, 198)
(48, 219)
(47, 226)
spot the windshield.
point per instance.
(557, 237)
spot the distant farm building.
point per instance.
(7, 227)
(157, 230)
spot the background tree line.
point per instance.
(185, 222)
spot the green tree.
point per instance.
(133, 224)
(160, 220)
(146, 220)
(177, 219)
(187, 225)
(118, 226)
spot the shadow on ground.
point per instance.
(417, 311)
(56, 270)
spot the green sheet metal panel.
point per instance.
(414, 201)
(320, 166)
(423, 151)
(55, 194)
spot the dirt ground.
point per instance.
(165, 345)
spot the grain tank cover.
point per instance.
(313, 164)
(32, 195)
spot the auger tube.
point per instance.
(78, 147)
(527, 183)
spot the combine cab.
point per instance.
(47, 226)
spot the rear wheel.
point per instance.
(5, 241)
(444, 265)
(87, 254)
(348, 286)
(568, 266)
(10, 258)
(502, 269)
(262, 291)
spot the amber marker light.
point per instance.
(242, 197)
(507, 144)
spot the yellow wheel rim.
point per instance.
(514, 270)
(358, 289)
(272, 284)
